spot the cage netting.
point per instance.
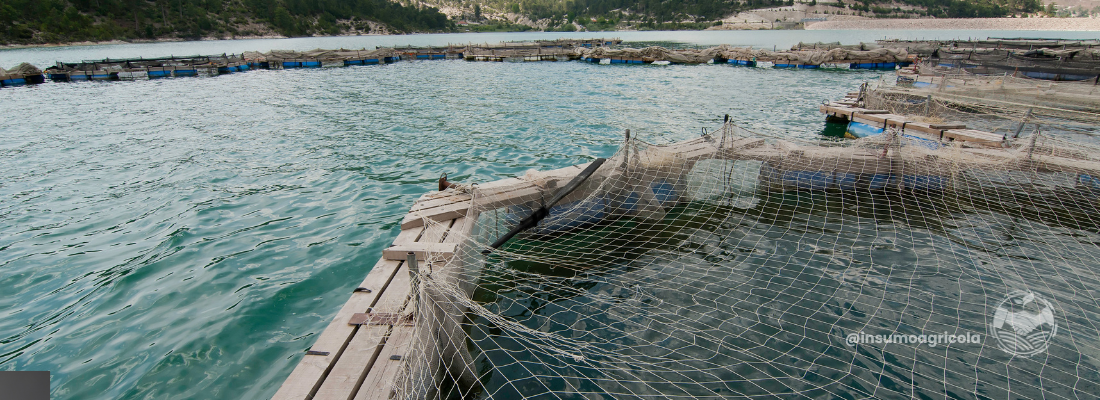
(737, 265)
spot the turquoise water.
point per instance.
(189, 238)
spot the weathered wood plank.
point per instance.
(350, 370)
(422, 250)
(441, 213)
(307, 376)
(530, 192)
(348, 375)
(971, 135)
(439, 202)
(379, 382)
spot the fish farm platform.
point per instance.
(376, 340)
(878, 121)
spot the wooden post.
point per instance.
(1031, 147)
(1022, 122)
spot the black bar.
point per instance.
(532, 220)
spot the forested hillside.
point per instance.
(52, 21)
(59, 21)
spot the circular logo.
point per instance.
(1023, 324)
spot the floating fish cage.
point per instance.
(146, 68)
(725, 265)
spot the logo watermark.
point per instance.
(1023, 324)
(932, 340)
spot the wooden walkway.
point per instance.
(360, 352)
(848, 110)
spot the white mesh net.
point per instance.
(997, 104)
(738, 265)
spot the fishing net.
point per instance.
(1002, 104)
(746, 266)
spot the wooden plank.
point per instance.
(347, 377)
(878, 118)
(379, 382)
(408, 236)
(439, 202)
(523, 195)
(859, 118)
(974, 136)
(311, 369)
(503, 183)
(422, 250)
(460, 229)
(307, 376)
(350, 370)
(443, 213)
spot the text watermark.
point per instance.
(932, 340)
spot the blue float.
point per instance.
(13, 82)
(881, 65)
(858, 130)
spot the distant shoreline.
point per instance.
(1011, 24)
(1002, 24)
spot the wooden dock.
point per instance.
(359, 353)
(847, 109)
